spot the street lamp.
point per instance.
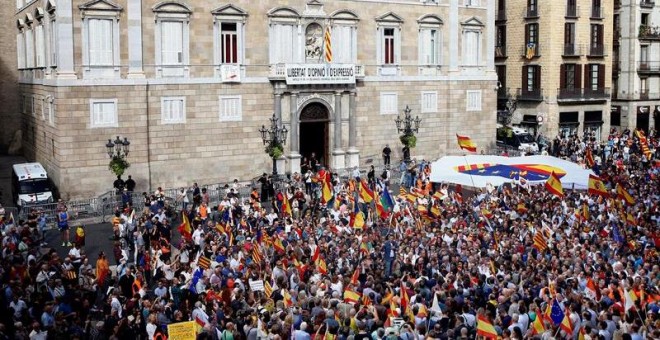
(275, 138)
(409, 126)
(118, 148)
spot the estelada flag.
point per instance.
(553, 184)
(366, 194)
(485, 328)
(286, 206)
(596, 186)
(204, 262)
(624, 195)
(465, 143)
(351, 296)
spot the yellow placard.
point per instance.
(182, 331)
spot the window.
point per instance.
(502, 91)
(389, 41)
(20, 50)
(500, 41)
(569, 33)
(388, 50)
(389, 103)
(40, 46)
(230, 109)
(644, 54)
(173, 110)
(100, 42)
(33, 105)
(172, 47)
(29, 48)
(532, 33)
(228, 43)
(42, 108)
(531, 78)
(473, 100)
(596, 9)
(283, 44)
(532, 8)
(429, 46)
(53, 43)
(571, 9)
(469, 3)
(429, 102)
(571, 75)
(595, 77)
(103, 113)
(344, 44)
(472, 50)
(596, 41)
(51, 110)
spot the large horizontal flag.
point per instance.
(624, 194)
(465, 143)
(366, 194)
(351, 296)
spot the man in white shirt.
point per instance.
(18, 306)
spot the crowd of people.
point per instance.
(326, 257)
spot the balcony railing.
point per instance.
(530, 13)
(530, 51)
(500, 51)
(647, 3)
(525, 94)
(648, 67)
(583, 94)
(500, 15)
(649, 32)
(597, 13)
(597, 50)
(572, 50)
(572, 11)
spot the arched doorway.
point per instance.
(314, 120)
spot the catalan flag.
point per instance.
(70, 275)
(268, 289)
(256, 255)
(351, 296)
(596, 186)
(288, 302)
(220, 227)
(485, 328)
(327, 40)
(643, 142)
(366, 194)
(204, 262)
(465, 143)
(553, 184)
(539, 242)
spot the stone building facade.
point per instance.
(636, 76)
(190, 83)
(553, 58)
(9, 94)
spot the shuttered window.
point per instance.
(172, 42)
(388, 103)
(100, 33)
(173, 110)
(40, 46)
(230, 109)
(429, 46)
(103, 113)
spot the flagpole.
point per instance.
(467, 164)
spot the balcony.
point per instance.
(531, 13)
(533, 95)
(572, 12)
(500, 51)
(596, 51)
(647, 32)
(648, 67)
(531, 51)
(597, 13)
(500, 15)
(647, 3)
(572, 50)
(583, 94)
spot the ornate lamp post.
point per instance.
(118, 151)
(409, 126)
(274, 138)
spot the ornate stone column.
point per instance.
(352, 154)
(294, 139)
(337, 153)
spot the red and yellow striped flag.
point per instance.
(328, 44)
(553, 184)
(465, 143)
(204, 262)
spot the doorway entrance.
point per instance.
(314, 120)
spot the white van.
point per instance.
(516, 138)
(31, 185)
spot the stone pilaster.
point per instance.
(352, 154)
(134, 10)
(64, 23)
(294, 156)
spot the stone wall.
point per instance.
(9, 93)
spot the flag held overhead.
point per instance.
(465, 143)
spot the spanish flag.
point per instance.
(351, 296)
(322, 267)
(277, 244)
(366, 194)
(485, 328)
(596, 186)
(553, 184)
(465, 143)
(286, 206)
(566, 325)
(184, 227)
(327, 192)
(630, 219)
(624, 195)
(537, 324)
(287, 298)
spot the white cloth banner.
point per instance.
(481, 170)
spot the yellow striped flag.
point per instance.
(70, 275)
(553, 184)
(596, 186)
(204, 262)
(465, 143)
(624, 194)
(256, 255)
(351, 296)
(322, 267)
(268, 289)
(328, 44)
(485, 328)
(537, 325)
(539, 242)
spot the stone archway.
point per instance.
(314, 133)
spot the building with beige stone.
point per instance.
(636, 62)
(191, 82)
(553, 60)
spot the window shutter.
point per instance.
(527, 27)
(107, 50)
(578, 76)
(397, 45)
(421, 47)
(524, 78)
(537, 78)
(601, 76)
(562, 76)
(380, 44)
(600, 35)
(587, 81)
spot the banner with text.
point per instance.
(302, 74)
